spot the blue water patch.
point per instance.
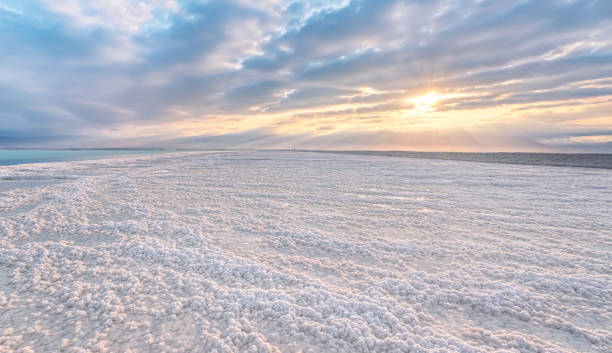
(15, 156)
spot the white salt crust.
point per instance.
(304, 252)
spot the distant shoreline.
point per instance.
(577, 160)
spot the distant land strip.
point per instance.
(582, 160)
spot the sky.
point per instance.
(449, 75)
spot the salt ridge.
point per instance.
(303, 252)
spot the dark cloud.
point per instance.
(195, 32)
(312, 96)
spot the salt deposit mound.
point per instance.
(304, 252)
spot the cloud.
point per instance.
(253, 92)
(364, 140)
(270, 72)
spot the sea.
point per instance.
(26, 156)
(583, 160)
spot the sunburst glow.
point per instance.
(426, 103)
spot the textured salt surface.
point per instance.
(290, 252)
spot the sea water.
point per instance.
(584, 160)
(24, 156)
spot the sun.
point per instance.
(426, 103)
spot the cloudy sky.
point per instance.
(373, 74)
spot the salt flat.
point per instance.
(304, 252)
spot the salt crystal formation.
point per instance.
(304, 252)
